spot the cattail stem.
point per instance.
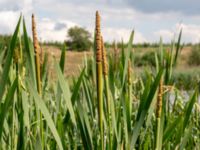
(105, 74)
(99, 78)
(37, 56)
(38, 76)
(129, 84)
(158, 115)
(129, 90)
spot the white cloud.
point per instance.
(117, 20)
(27, 6)
(191, 32)
(47, 30)
(166, 35)
(8, 21)
(117, 34)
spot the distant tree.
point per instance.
(78, 39)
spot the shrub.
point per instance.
(194, 57)
(79, 39)
(186, 80)
(147, 59)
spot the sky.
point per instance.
(150, 19)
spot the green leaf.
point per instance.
(186, 138)
(170, 130)
(144, 109)
(8, 61)
(42, 107)
(188, 110)
(29, 52)
(62, 58)
(85, 129)
(75, 93)
(66, 92)
(127, 55)
(178, 45)
(77, 86)
(7, 104)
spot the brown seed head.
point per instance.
(16, 55)
(37, 57)
(98, 38)
(159, 99)
(35, 39)
(105, 64)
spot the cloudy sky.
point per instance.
(149, 18)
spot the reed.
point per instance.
(38, 72)
(99, 78)
(74, 111)
(106, 82)
(37, 55)
(158, 115)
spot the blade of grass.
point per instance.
(29, 55)
(188, 109)
(66, 92)
(7, 104)
(62, 58)
(42, 107)
(5, 76)
(146, 102)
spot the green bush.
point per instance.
(79, 39)
(186, 80)
(147, 59)
(194, 57)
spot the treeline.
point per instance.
(79, 39)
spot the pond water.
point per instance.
(182, 95)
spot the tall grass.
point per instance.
(118, 110)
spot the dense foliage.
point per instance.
(4, 40)
(194, 56)
(137, 113)
(147, 59)
(79, 39)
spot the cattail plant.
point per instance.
(69, 109)
(99, 78)
(37, 65)
(105, 74)
(158, 114)
(37, 56)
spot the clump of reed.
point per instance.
(64, 113)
